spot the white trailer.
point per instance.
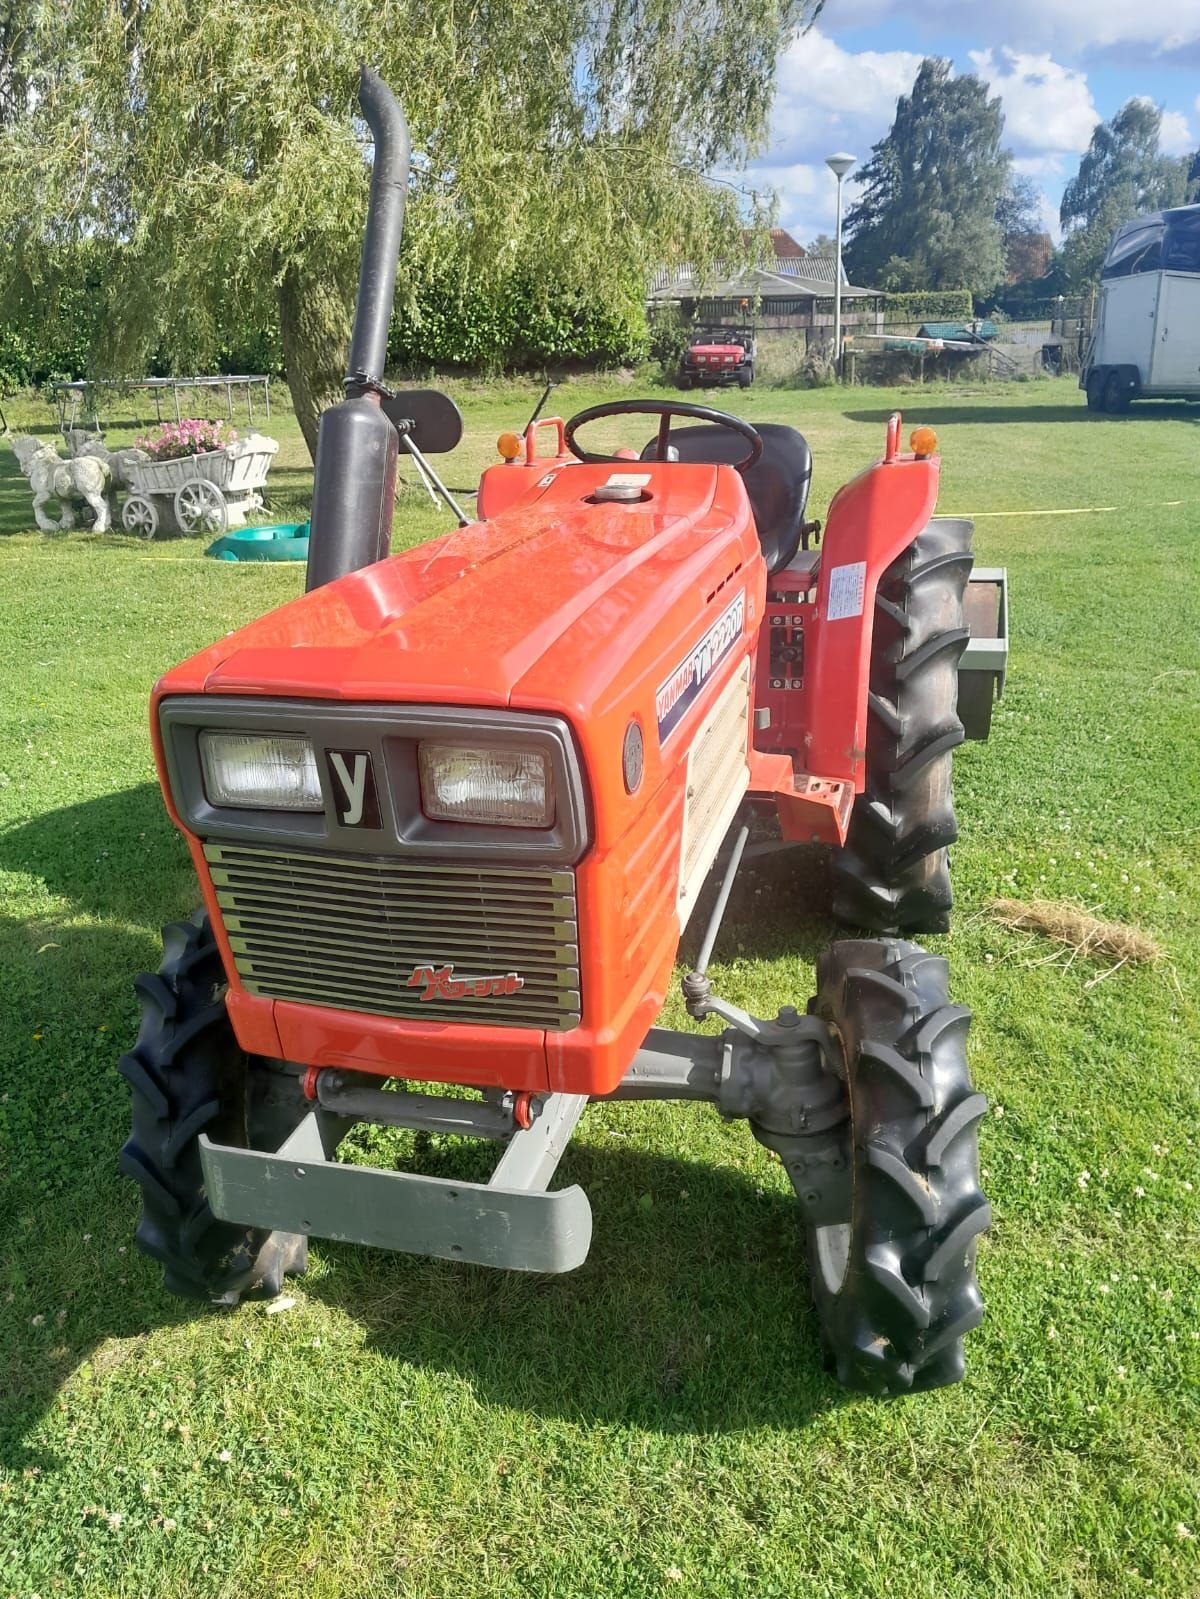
(1146, 341)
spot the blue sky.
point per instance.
(1059, 66)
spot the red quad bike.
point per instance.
(451, 810)
(717, 356)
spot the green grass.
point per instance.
(657, 1423)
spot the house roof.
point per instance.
(759, 283)
(783, 246)
(684, 278)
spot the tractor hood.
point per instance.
(716, 349)
(536, 608)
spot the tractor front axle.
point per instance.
(780, 1076)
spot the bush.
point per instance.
(940, 305)
(667, 338)
(817, 369)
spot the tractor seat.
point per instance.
(777, 484)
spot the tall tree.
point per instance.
(1122, 174)
(216, 149)
(926, 218)
(1028, 248)
(1017, 208)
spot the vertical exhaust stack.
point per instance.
(355, 482)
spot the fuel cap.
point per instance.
(618, 493)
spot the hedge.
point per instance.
(522, 323)
(929, 305)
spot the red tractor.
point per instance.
(452, 809)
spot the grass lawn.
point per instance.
(658, 1422)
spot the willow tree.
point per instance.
(216, 149)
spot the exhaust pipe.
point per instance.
(355, 481)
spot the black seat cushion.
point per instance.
(777, 484)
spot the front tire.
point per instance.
(893, 873)
(894, 1283)
(190, 1076)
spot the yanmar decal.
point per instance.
(439, 982)
(676, 693)
(354, 788)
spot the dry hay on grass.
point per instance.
(1079, 932)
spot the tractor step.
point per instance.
(984, 662)
(510, 1222)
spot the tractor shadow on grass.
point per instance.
(72, 1287)
(73, 1290)
(691, 1314)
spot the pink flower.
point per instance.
(189, 436)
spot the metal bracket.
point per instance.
(784, 1077)
(509, 1222)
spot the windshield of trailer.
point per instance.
(1181, 247)
(1139, 250)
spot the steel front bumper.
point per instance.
(509, 1222)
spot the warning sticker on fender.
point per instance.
(846, 587)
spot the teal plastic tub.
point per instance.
(285, 541)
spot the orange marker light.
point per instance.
(923, 442)
(509, 445)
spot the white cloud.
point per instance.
(1149, 29)
(1047, 107)
(1040, 166)
(1047, 210)
(826, 98)
(835, 98)
(1176, 137)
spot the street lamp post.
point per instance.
(839, 165)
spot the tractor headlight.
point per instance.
(260, 771)
(492, 787)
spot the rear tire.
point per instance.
(1095, 392)
(1116, 394)
(893, 873)
(190, 1076)
(894, 1284)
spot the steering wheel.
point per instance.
(665, 410)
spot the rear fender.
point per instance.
(871, 521)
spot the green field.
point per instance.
(658, 1422)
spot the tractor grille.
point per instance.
(348, 931)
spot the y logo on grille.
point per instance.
(354, 788)
(439, 982)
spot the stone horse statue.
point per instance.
(88, 479)
(82, 442)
